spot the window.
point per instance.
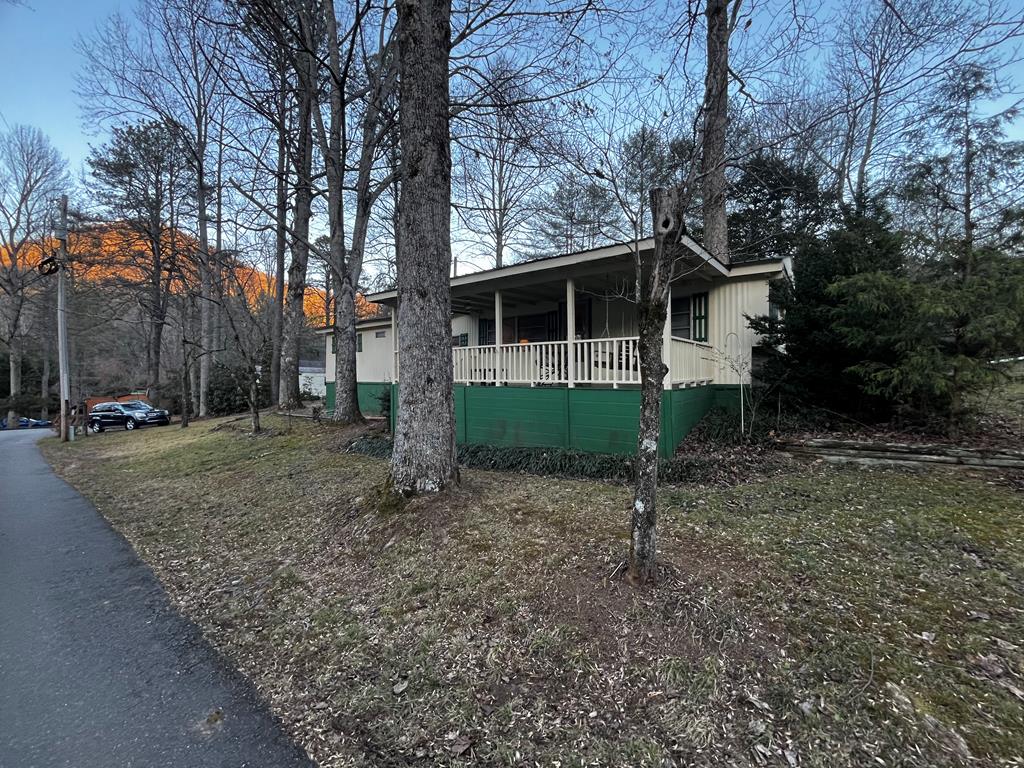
(700, 317)
(380, 334)
(690, 317)
(359, 342)
(681, 317)
(460, 340)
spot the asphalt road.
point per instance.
(96, 667)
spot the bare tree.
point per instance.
(166, 66)
(501, 164)
(32, 174)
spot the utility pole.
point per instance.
(67, 432)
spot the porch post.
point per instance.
(666, 343)
(394, 344)
(498, 327)
(570, 330)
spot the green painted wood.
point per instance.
(521, 416)
(329, 397)
(582, 419)
(369, 393)
(604, 420)
(460, 413)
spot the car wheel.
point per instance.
(130, 424)
(97, 427)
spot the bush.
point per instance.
(698, 468)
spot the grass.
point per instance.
(819, 617)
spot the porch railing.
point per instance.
(691, 362)
(602, 362)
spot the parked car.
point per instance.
(130, 414)
(27, 423)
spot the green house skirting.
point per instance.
(582, 419)
(367, 392)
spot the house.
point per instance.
(563, 370)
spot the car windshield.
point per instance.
(136, 405)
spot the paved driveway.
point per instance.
(96, 668)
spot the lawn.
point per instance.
(820, 616)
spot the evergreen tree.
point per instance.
(813, 360)
(961, 304)
(775, 208)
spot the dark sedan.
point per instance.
(130, 415)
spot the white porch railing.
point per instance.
(603, 362)
(543, 362)
(691, 363)
(608, 361)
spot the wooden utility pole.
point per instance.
(66, 431)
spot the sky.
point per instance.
(37, 73)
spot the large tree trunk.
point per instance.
(294, 310)
(280, 242)
(205, 289)
(346, 392)
(185, 382)
(667, 208)
(156, 334)
(716, 121)
(643, 545)
(423, 459)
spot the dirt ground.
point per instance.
(817, 616)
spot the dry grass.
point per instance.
(824, 617)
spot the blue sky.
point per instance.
(37, 73)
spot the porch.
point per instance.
(606, 362)
(542, 324)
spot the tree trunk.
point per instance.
(288, 387)
(205, 289)
(716, 121)
(156, 333)
(44, 379)
(423, 459)
(186, 384)
(668, 209)
(280, 243)
(254, 404)
(15, 380)
(643, 548)
(346, 391)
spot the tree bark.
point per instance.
(667, 208)
(294, 310)
(44, 377)
(14, 348)
(254, 404)
(716, 121)
(281, 241)
(423, 460)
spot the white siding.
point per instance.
(374, 363)
(728, 303)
